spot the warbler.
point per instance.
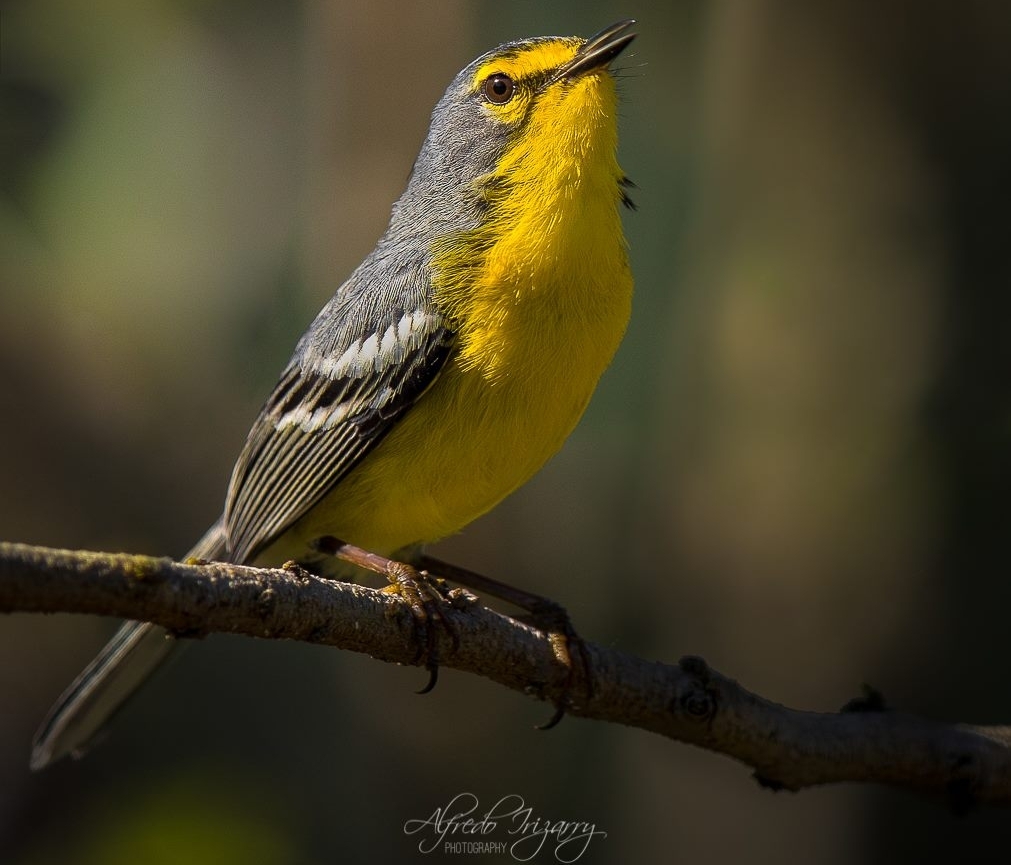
(453, 362)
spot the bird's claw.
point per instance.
(427, 598)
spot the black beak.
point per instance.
(598, 50)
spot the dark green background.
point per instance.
(798, 466)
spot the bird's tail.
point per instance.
(126, 662)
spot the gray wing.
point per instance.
(354, 374)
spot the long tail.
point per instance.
(126, 662)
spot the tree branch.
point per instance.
(690, 702)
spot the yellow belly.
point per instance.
(469, 441)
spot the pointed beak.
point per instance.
(597, 51)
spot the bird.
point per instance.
(453, 362)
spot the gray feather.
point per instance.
(136, 650)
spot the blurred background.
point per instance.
(798, 466)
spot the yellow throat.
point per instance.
(551, 248)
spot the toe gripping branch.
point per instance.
(429, 596)
(545, 614)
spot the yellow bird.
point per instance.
(453, 362)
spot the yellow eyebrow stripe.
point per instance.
(528, 62)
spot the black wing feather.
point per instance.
(293, 457)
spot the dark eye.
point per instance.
(499, 88)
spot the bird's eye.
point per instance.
(499, 88)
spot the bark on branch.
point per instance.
(689, 702)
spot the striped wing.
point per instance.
(336, 400)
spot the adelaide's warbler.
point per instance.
(452, 363)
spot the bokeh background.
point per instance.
(798, 466)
